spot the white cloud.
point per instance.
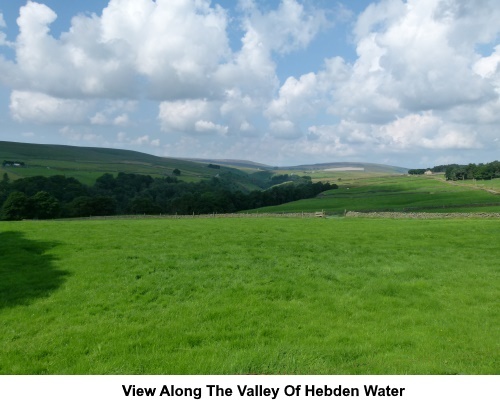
(141, 140)
(417, 83)
(76, 136)
(122, 120)
(284, 129)
(182, 115)
(177, 45)
(144, 140)
(3, 36)
(489, 66)
(289, 27)
(296, 98)
(99, 119)
(77, 65)
(210, 127)
(43, 109)
(425, 76)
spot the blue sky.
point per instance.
(411, 83)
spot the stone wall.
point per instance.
(422, 215)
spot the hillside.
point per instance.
(86, 163)
(350, 167)
(400, 194)
(243, 164)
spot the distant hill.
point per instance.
(88, 163)
(246, 164)
(350, 166)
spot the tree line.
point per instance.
(58, 196)
(481, 171)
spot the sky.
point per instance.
(411, 83)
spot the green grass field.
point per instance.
(250, 296)
(399, 193)
(87, 164)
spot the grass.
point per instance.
(250, 296)
(397, 193)
(87, 164)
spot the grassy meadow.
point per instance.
(250, 296)
(87, 164)
(400, 193)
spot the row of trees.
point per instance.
(471, 171)
(417, 171)
(58, 196)
(435, 169)
(13, 163)
(481, 171)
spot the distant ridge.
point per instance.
(81, 158)
(233, 162)
(350, 166)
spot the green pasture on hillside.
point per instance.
(250, 296)
(398, 193)
(86, 164)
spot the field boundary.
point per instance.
(193, 216)
(422, 215)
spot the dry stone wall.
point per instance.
(422, 215)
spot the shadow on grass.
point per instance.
(26, 271)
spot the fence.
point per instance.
(214, 215)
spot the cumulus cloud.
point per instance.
(3, 37)
(121, 120)
(77, 136)
(77, 65)
(177, 45)
(289, 27)
(41, 108)
(417, 83)
(425, 75)
(143, 140)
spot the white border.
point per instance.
(59, 390)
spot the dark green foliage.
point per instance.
(481, 171)
(417, 171)
(44, 206)
(13, 163)
(143, 205)
(91, 206)
(65, 189)
(18, 206)
(4, 188)
(176, 172)
(15, 207)
(212, 166)
(41, 197)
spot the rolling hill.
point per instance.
(88, 163)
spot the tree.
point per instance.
(44, 205)
(176, 172)
(91, 206)
(15, 207)
(143, 205)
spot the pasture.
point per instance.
(250, 296)
(400, 193)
